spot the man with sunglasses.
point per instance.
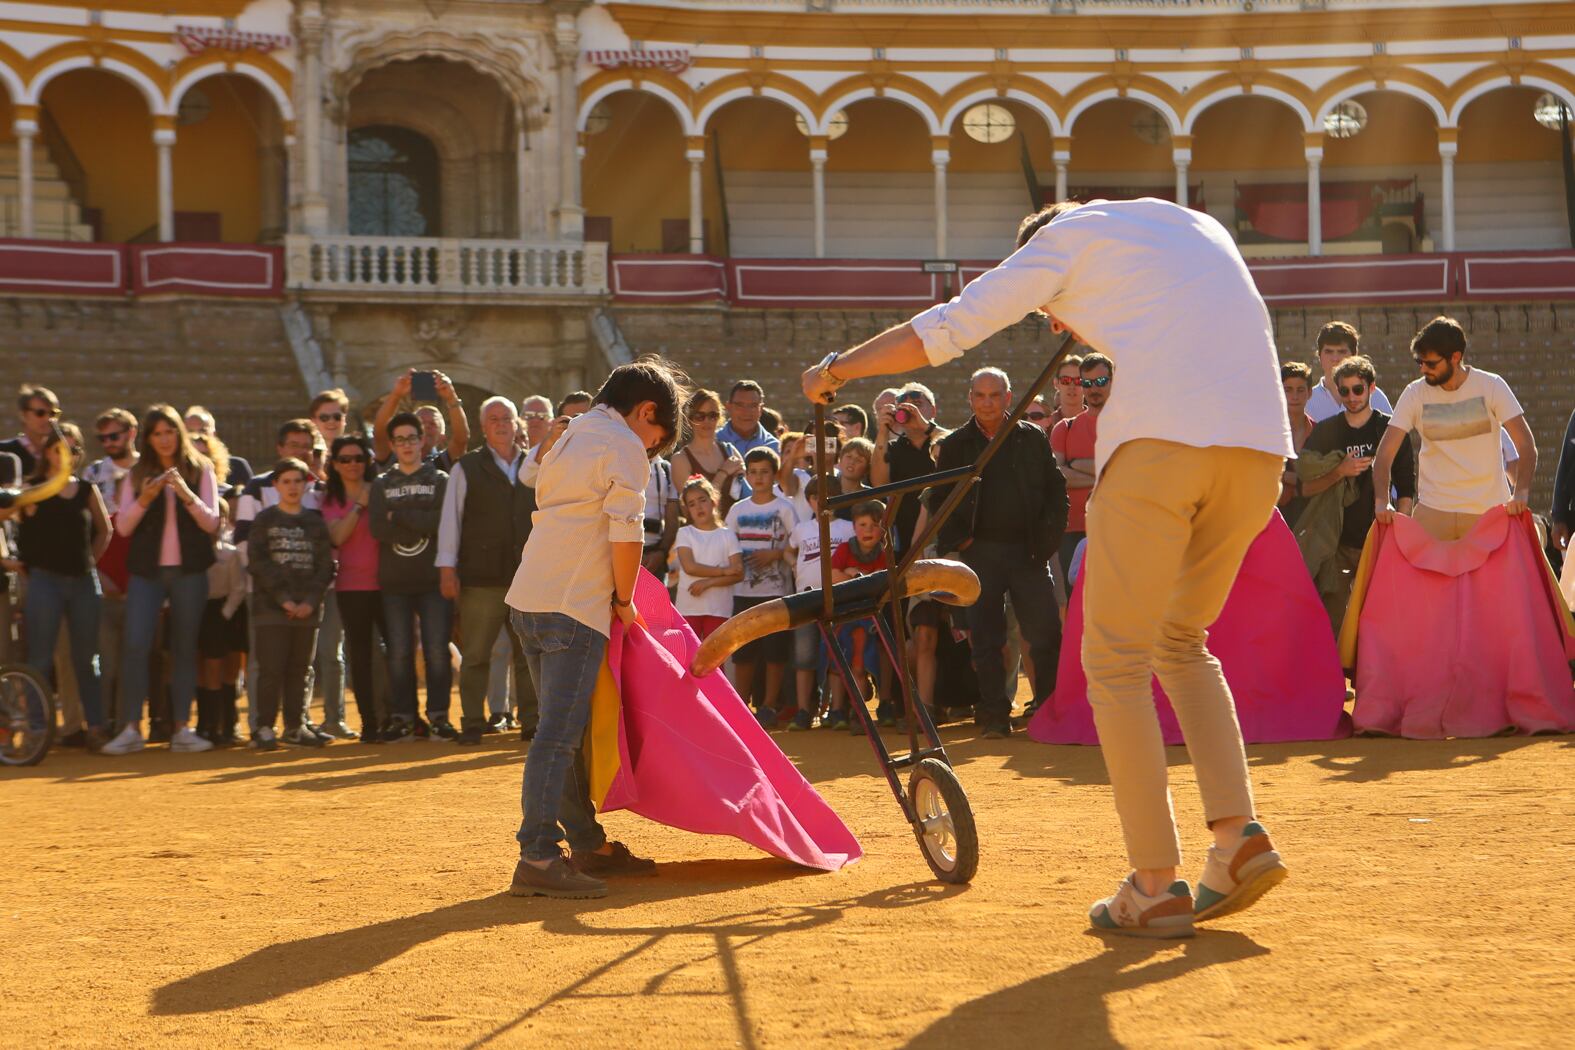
(1072, 441)
(1354, 434)
(1189, 466)
(117, 435)
(1457, 411)
(37, 407)
(1336, 342)
(536, 411)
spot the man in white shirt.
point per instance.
(1458, 411)
(1188, 460)
(1336, 342)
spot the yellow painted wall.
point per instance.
(106, 122)
(1400, 130)
(883, 135)
(635, 171)
(1247, 134)
(1103, 140)
(758, 134)
(216, 166)
(1499, 127)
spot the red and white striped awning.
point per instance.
(196, 39)
(673, 59)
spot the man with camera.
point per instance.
(905, 435)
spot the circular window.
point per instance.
(1548, 109)
(1150, 127)
(598, 118)
(836, 127)
(194, 107)
(988, 123)
(1345, 120)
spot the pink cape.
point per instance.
(1463, 639)
(692, 756)
(1272, 639)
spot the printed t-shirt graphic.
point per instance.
(762, 526)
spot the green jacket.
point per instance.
(1323, 517)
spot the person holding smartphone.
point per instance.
(432, 387)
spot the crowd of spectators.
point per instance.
(170, 577)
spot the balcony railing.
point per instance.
(436, 265)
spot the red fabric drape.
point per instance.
(1279, 209)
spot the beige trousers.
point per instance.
(1168, 526)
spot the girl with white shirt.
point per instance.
(709, 561)
(577, 572)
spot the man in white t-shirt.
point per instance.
(1457, 410)
(1336, 342)
(1188, 461)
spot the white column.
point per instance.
(1182, 158)
(164, 145)
(1314, 202)
(571, 214)
(817, 171)
(1446, 159)
(24, 128)
(1061, 155)
(696, 159)
(940, 158)
(312, 215)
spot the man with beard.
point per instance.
(1457, 410)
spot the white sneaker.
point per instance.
(129, 740)
(186, 739)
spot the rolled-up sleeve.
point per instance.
(1030, 278)
(626, 472)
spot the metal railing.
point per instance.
(440, 265)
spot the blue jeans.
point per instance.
(1008, 568)
(51, 598)
(564, 657)
(145, 595)
(399, 633)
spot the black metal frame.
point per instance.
(892, 634)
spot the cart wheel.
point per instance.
(27, 716)
(945, 830)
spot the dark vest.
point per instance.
(494, 522)
(196, 546)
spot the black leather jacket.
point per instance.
(1027, 457)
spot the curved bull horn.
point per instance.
(50, 486)
(951, 582)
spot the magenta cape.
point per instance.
(1272, 639)
(692, 756)
(1463, 639)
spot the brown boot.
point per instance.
(557, 879)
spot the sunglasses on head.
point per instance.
(331, 417)
(1355, 390)
(1102, 381)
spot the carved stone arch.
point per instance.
(504, 63)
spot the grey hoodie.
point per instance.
(404, 513)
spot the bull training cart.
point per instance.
(935, 803)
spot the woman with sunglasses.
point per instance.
(704, 455)
(169, 510)
(356, 550)
(59, 541)
(1068, 396)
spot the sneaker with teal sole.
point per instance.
(1132, 913)
(1233, 880)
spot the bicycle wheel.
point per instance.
(27, 716)
(945, 830)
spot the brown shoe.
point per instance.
(557, 879)
(619, 862)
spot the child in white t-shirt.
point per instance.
(762, 523)
(709, 561)
(804, 547)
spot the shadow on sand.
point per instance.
(1068, 1007)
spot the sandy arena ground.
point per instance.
(357, 897)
